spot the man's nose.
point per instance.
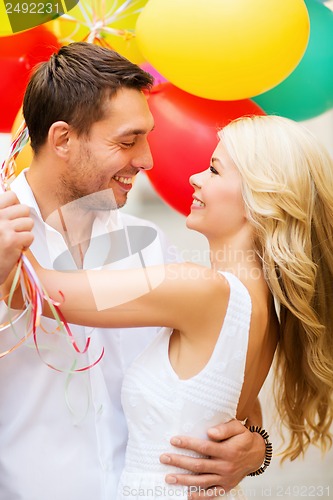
(144, 159)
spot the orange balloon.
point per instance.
(24, 157)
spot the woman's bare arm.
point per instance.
(175, 295)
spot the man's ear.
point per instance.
(58, 138)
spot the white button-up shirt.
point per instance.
(63, 434)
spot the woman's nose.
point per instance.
(196, 179)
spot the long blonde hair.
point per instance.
(288, 192)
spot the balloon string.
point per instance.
(99, 21)
(34, 294)
(85, 15)
(36, 299)
(120, 10)
(116, 16)
(20, 139)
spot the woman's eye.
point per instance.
(213, 170)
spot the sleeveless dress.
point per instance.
(159, 405)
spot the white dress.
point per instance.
(158, 404)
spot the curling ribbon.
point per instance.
(97, 20)
(33, 291)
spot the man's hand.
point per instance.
(232, 453)
(15, 232)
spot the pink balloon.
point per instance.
(158, 78)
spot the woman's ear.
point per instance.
(58, 138)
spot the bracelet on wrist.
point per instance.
(268, 449)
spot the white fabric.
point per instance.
(63, 437)
(158, 404)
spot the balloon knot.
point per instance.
(96, 30)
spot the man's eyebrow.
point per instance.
(134, 131)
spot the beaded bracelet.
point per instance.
(268, 450)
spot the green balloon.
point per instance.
(308, 91)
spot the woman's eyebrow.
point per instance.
(216, 160)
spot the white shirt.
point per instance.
(63, 435)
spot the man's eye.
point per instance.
(128, 144)
(213, 170)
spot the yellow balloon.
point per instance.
(224, 49)
(110, 23)
(24, 157)
(5, 27)
(17, 16)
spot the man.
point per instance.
(63, 435)
(15, 232)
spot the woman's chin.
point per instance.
(190, 223)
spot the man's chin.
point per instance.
(101, 200)
(120, 203)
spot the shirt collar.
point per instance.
(22, 189)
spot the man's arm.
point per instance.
(233, 453)
(15, 232)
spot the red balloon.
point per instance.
(18, 55)
(185, 137)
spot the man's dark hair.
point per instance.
(73, 85)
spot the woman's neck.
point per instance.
(236, 255)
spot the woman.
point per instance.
(266, 207)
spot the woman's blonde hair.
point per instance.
(288, 191)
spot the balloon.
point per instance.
(223, 50)
(106, 23)
(5, 27)
(184, 138)
(17, 16)
(18, 55)
(36, 45)
(24, 157)
(308, 91)
(158, 78)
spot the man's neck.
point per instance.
(44, 186)
(73, 223)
